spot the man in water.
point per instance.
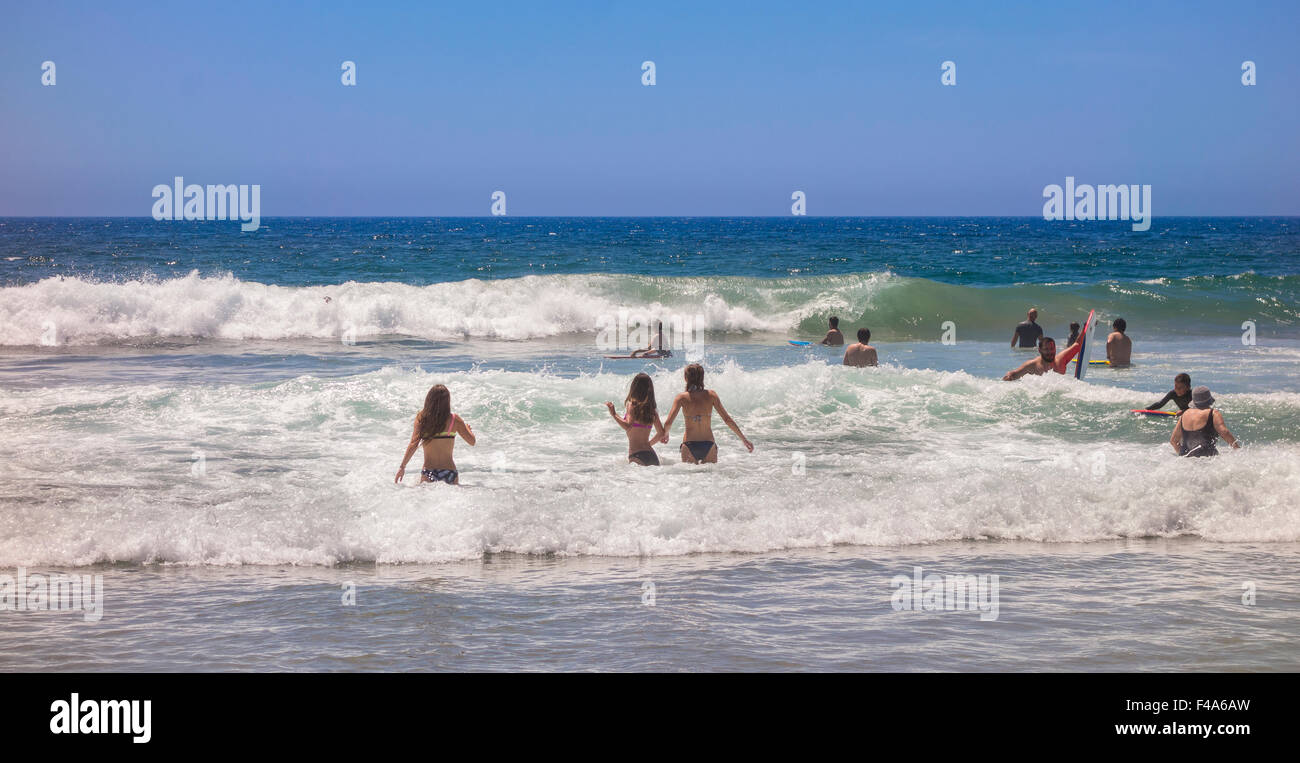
(833, 337)
(1047, 360)
(861, 354)
(1029, 332)
(1119, 348)
(1181, 394)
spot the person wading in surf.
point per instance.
(834, 337)
(640, 413)
(861, 354)
(697, 405)
(1196, 428)
(1047, 360)
(436, 428)
(1027, 332)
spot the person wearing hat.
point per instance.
(1197, 427)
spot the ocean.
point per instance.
(211, 420)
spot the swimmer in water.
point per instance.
(1196, 428)
(1028, 332)
(1119, 347)
(436, 428)
(1181, 394)
(834, 337)
(640, 413)
(1047, 360)
(1074, 334)
(696, 405)
(861, 354)
(650, 351)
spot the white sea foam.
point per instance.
(75, 311)
(300, 472)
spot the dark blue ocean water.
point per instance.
(965, 251)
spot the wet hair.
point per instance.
(1184, 378)
(1119, 325)
(1074, 333)
(435, 416)
(835, 322)
(1044, 340)
(864, 335)
(640, 400)
(694, 377)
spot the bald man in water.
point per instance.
(1029, 332)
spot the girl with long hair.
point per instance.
(436, 428)
(697, 405)
(640, 413)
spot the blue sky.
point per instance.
(753, 101)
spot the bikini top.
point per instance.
(450, 433)
(633, 423)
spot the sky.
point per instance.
(752, 101)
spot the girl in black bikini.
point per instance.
(698, 405)
(436, 428)
(640, 412)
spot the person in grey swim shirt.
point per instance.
(1028, 332)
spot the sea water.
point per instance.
(212, 421)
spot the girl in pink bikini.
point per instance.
(640, 413)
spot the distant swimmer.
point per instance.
(861, 354)
(1047, 360)
(436, 428)
(1195, 431)
(651, 351)
(1181, 394)
(1074, 334)
(834, 337)
(697, 405)
(1119, 348)
(640, 413)
(1029, 332)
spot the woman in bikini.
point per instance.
(436, 428)
(697, 405)
(640, 413)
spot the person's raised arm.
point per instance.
(726, 418)
(1222, 428)
(1176, 439)
(466, 434)
(610, 407)
(410, 449)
